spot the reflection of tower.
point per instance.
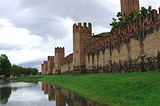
(50, 64)
(82, 36)
(51, 92)
(59, 55)
(45, 88)
(79, 101)
(127, 6)
(42, 86)
(59, 101)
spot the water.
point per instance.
(38, 94)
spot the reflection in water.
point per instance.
(7, 87)
(64, 97)
(5, 91)
(31, 94)
(5, 94)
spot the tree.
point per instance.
(18, 70)
(143, 11)
(0, 67)
(6, 65)
(35, 71)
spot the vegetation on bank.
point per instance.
(6, 69)
(111, 88)
(5, 65)
(18, 70)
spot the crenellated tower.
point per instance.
(45, 67)
(82, 36)
(42, 69)
(127, 6)
(50, 64)
(59, 55)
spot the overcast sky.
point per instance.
(31, 29)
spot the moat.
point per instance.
(39, 94)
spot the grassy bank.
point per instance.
(112, 88)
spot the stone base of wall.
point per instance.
(57, 72)
(79, 70)
(141, 64)
(67, 72)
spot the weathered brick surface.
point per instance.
(59, 55)
(152, 44)
(95, 60)
(42, 69)
(67, 64)
(81, 38)
(45, 67)
(127, 6)
(50, 64)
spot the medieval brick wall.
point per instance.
(131, 48)
(54, 71)
(67, 64)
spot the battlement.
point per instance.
(81, 28)
(45, 62)
(69, 58)
(139, 25)
(50, 58)
(59, 49)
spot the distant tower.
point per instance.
(82, 36)
(50, 64)
(45, 67)
(127, 6)
(42, 69)
(59, 55)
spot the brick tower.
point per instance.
(45, 67)
(42, 69)
(127, 6)
(82, 36)
(59, 55)
(50, 64)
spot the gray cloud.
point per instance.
(33, 63)
(46, 17)
(10, 47)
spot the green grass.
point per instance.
(141, 89)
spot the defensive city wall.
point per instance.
(132, 48)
